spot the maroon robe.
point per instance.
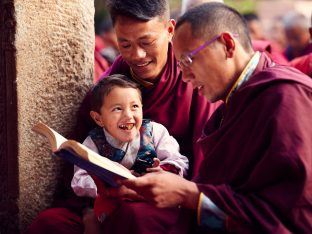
(170, 102)
(258, 163)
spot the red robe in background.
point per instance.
(289, 52)
(303, 64)
(100, 63)
(258, 163)
(182, 111)
(271, 49)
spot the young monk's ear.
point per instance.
(228, 41)
(171, 26)
(97, 118)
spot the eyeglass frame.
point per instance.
(188, 57)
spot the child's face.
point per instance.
(121, 113)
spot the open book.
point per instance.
(76, 153)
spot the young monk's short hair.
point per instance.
(143, 10)
(106, 85)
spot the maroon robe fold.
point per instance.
(258, 163)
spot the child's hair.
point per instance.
(106, 85)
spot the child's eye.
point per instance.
(136, 106)
(116, 109)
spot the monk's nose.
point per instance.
(139, 53)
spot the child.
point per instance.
(123, 136)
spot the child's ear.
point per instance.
(97, 118)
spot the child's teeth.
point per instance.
(127, 126)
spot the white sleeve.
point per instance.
(168, 149)
(82, 183)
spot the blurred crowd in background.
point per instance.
(279, 27)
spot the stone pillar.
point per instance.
(48, 47)
(9, 188)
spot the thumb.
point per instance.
(156, 162)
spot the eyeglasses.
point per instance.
(186, 59)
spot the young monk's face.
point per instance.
(121, 113)
(144, 45)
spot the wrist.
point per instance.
(191, 195)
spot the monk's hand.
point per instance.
(164, 189)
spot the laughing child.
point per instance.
(123, 136)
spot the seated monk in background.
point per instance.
(304, 63)
(260, 42)
(297, 34)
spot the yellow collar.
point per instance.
(245, 75)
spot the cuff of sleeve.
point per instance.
(170, 168)
(209, 215)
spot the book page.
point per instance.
(54, 137)
(91, 156)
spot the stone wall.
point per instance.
(54, 64)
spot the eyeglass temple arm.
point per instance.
(209, 42)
